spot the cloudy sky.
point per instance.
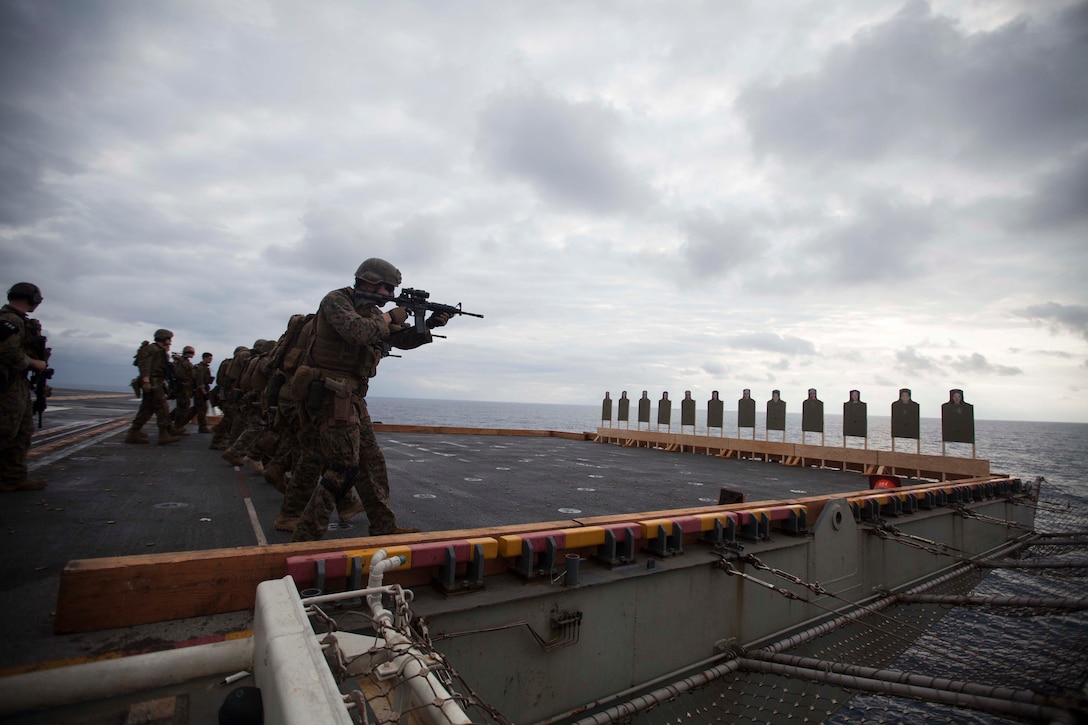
(637, 195)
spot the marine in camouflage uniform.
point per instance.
(305, 473)
(226, 381)
(251, 384)
(183, 390)
(154, 363)
(283, 361)
(202, 381)
(300, 454)
(350, 338)
(297, 451)
(19, 336)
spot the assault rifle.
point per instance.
(39, 380)
(417, 302)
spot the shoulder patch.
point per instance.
(7, 329)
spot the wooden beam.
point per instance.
(123, 591)
(793, 454)
(454, 430)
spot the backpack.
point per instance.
(221, 378)
(294, 342)
(139, 352)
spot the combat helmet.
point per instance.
(262, 346)
(29, 291)
(378, 271)
(162, 335)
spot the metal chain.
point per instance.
(814, 587)
(888, 532)
(970, 514)
(731, 570)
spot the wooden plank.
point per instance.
(123, 591)
(870, 460)
(950, 465)
(453, 430)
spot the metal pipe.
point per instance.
(122, 676)
(379, 564)
(644, 702)
(352, 594)
(667, 677)
(1060, 542)
(955, 699)
(570, 574)
(995, 601)
(1033, 564)
(898, 676)
(374, 601)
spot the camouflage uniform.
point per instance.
(298, 449)
(226, 381)
(183, 391)
(202, 380)
(251, 409)
(16, 418)
(283, 362)
(305, 473)
(154, 363)
(238, 418)
(348, 344)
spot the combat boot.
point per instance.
(135, 435)
(179, 431)
(285, 523)
(233, 459)
(165, 436)
(274, 474)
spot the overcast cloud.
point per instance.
(868, 194)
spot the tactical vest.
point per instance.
(333, 355)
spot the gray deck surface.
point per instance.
(106, 498)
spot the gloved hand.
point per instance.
(398, 315)
(438, 319)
